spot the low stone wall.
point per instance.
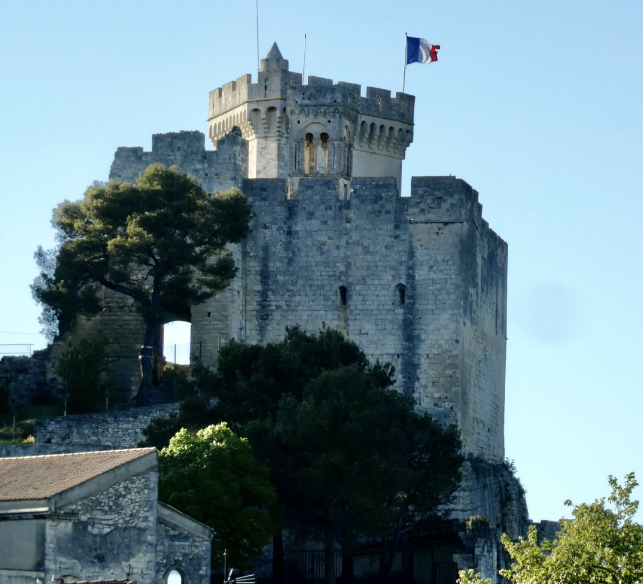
(116, 429)
(12, 450)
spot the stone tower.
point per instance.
(418, 281)
(296, 130)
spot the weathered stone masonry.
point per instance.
(92, 516)
(114, 429)
(447, 340)
(419, 281)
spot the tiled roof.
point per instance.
(40, 477)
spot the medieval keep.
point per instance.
(417, 281)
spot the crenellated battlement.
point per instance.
(321, 127)
(215, 170)
(319, 91)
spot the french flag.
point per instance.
(420, 51)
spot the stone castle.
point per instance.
(418, 281)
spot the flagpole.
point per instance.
(257, 5)
(303, 75)
(405, 48)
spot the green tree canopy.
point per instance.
(600, 545)
(251, 379)
(213, 477)
(348, 454)
(46, 262)
(361, 460)
(161, 241)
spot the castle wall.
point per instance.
(216, 170)
(447, 341)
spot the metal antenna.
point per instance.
(303, 75)
(257, 5)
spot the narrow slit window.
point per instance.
(343, 296)
(401, 294)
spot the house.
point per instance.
(95, 516)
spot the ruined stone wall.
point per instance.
(216, 170)
(117, 428)
(120, 322)
(110, 535)
(447, 340)
(25, 379)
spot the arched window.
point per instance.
(309, 155)
(343, 296)
(174, 577)
(362, 132)
(401, 294)
(271, 119)
(322, 157)
(347, 153)
(255, 121)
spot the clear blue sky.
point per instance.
(536, 104)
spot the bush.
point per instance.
(160, 430)
(83, 371)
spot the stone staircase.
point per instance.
(165, 393)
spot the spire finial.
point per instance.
(274, 61)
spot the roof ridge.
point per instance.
(146, 449)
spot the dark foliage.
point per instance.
(162, 242)
(83, 371)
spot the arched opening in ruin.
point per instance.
(174, 577)
(176, 343)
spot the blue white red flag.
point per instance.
(420, 51)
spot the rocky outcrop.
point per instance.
(490, 502)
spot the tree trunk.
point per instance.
(347, 558)
(388, 566)
(278, 571)
(145, 359)
(329, 555)
(383, 557)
